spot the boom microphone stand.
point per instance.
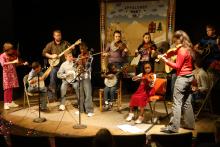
(79, 126)
(39, 119)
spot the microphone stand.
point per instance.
(39, 119)
(79, 126)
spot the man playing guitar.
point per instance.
(54, 51)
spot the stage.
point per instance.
(60, 123)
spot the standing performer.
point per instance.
(182, 93)
(10, 80)
(85, 67)
(144, 91)
(116, 51)
(53, 50)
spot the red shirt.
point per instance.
(183, 63)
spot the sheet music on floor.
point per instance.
(132, 129)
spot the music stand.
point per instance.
(39, 119)
(79, 125)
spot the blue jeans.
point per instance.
(182, 96)
(87, 88)
(53, 88)
(109, 91)
(43, 94)
(76, 88)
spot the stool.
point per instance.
(118, 100)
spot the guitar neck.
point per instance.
(47, 72)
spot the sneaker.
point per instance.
(6, 107)
(77, 112)
(12, 104)
(139, 120)
(130, 117)
(106, 102)
(90, 114)
(62, 107)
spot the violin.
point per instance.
(120, 45)
(169, 52)
(15, 55)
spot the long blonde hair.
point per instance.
(181, 37)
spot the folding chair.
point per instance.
(160, 93)
(27, 94)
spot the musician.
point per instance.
(147, 52)
(211, 42)
(84, 65)
(10, 79)
(116, 51)
(144, 91)
(109, 92)
(51, 51)
(33, 76)
(182, 93)
(201, 83)
(67, 73)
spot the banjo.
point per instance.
(111, 79)
(56, 61)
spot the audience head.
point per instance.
(103, 138)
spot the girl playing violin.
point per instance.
(10, 79)
(146, 50)
(144, 91)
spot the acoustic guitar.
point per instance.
(41, 82)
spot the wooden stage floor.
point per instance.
(62, 122)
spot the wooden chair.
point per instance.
(27, 94)
(118, 100)
(160, 93)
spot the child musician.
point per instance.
(67, 73)
(111, 85)
(144, 91)
(33, 76)
(10, 79)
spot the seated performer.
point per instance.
(33, 76)
(111, 80)
(67, 73)
(116, 51)
(144, 91)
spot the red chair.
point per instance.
(160, 93)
